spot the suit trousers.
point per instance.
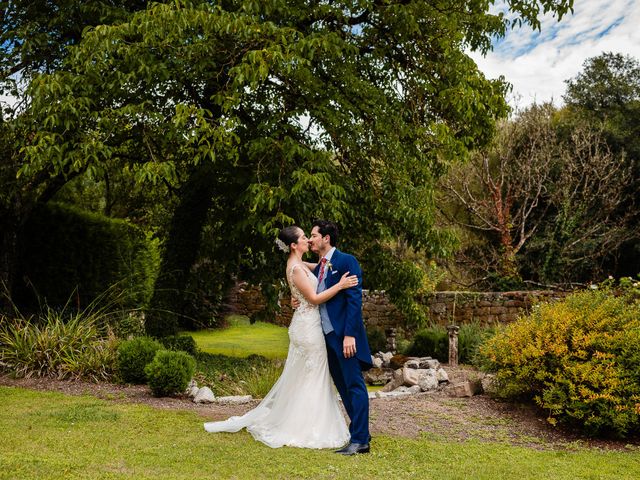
(347, 376)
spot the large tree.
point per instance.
(607, 94)
(265, 113)
(544, 200)
(34, 39)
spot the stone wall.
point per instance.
(444, 308)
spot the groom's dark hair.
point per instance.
(326, 227)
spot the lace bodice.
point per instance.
(304, 304)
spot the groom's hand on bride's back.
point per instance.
(295, 303)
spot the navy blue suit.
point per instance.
(345, 314)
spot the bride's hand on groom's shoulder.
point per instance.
(348, 281)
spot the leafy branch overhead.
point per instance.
(285, 111)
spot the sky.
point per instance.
(537, 63)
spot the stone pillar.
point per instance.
(453, 345)
(390, 333)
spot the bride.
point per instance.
(302, 408)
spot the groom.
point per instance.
(347, 345)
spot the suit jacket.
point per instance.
(345, 308)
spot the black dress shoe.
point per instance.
(353, 449)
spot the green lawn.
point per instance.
(242, 339)
(54, 436)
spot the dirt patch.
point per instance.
(430, 415)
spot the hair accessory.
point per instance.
(282, 246)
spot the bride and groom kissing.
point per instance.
(327, 346)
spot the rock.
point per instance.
(429, 363)
(395, 382)
(372, 395)
(410, 376)
(412, 364)
(204, 395)
(465, 389)
(402, 388)
(441, 375)
(386, 358)
(428, 381)
(378, 376)
(394, 394)
(414, 389)
(377, 362)
(234, 399)
(398, 361)
(192, 391)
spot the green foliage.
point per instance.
(58, 345)
(252, 375)
(184, 343)
(377, 340)
(380, 128)
(471, 337)
(169, 373)
(579, 359)
(133, 356)
(67, 250)
(127, 324)
(431, 342)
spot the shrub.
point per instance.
(128, 324)
(180, 343)
(432, 341)
(170, 372)
(377, 340)
(579, 359)
(59, 345)
(133, 356)
(470, 337)
(67, 250)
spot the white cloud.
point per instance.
(538, 63)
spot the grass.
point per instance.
(242, 339)
(54, 436)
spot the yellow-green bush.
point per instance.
(579, 359)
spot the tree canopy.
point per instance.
(264, 113)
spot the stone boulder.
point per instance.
(441, 375)
(428, 381)
(465, 389)
(204, 395)
(192, 389)
(234, 400)
(398, 361)
(378, 376)
(428, 362)
(386, 358)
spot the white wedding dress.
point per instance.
(302, 408)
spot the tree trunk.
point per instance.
(181, 248)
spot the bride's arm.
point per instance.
(310, 266)
(302, 283)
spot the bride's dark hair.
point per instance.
(289, 235)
